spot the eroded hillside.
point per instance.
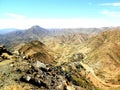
(101, 54)
(104, 55)
(74, 61)
(25, 72)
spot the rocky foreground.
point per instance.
(22, 73)
(35, 75)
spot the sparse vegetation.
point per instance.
(13, 87)
(61, 62)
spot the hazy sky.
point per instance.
(59, 13)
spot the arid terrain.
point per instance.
(41, 59)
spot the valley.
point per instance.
(61, 59)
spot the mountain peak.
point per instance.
(35, 27)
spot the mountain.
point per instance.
(39, 33)
(100, 51)
(72, 35)
(65, 31)
(104, 55)
(36, 31)
(33, 33)
(67, 60)
(7, 30)
(75, 38)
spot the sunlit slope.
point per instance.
(104, 55)
(37, 51)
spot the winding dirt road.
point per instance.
(96, 80)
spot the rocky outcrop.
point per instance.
(43, 76)
(4, 53)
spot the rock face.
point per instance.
(37, 51)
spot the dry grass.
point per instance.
(13, 87)
(105, 49)
(37, 51)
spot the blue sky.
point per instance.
(59, 13)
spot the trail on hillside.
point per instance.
(94, 79)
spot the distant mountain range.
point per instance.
(33, 33)
(100, 48)
(8, 36)
(64, 31)
(56, 31)
(7, 30)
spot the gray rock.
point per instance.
(40, 65)
(11, 65)
(69, 87)
(28, 78)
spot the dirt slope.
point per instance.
(104, 56)
(37, 51)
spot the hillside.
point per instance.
(104, 56)
(32, 67)
(37, 51)
(73, 38)
(101, 56)
(69, 60)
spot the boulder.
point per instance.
(28, 78)
(40, 65)
(67, 87)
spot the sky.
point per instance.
(23, 14)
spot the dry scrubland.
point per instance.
(67, 62)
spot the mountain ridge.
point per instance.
(33, 33)
(104, 55)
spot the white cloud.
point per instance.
(57, 23)
(13, 15)
(110, 13)
(117, 4)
